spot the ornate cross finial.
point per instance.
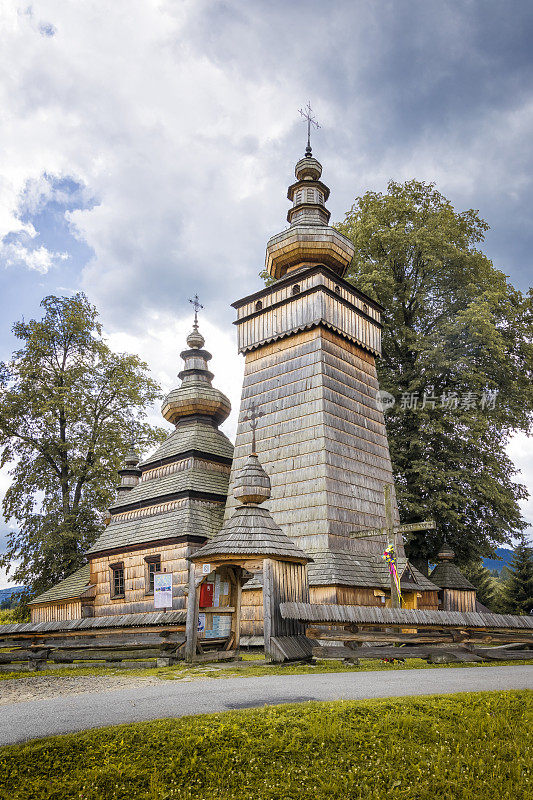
(253, 417)
(308, 115)
(197, 306)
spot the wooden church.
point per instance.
(310, 403)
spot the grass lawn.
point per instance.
(247, 668)
(454, 747)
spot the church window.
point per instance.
(365, 308)
(296, 288)
(153, 565)
(337, 289)
(258, 305)
(117, 580)
(310, 195)
(298, 197)
(320, 197)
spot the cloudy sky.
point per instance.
(146, 146)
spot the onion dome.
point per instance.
(195, 396)
(251, 531)
(130, 474)
(252, 484)
(310, 239)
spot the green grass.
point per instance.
(454, 747)
(249, 669)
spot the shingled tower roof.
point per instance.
(251, 531)
(447, 574)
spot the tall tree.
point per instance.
(67, 406)
(517, 590)
(458, 359)
(480, 577)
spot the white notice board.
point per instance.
(162, 589)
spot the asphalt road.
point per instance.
(36, 718)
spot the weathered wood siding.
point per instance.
(137, 599)
(428, 601)
(252, 612)
(322, 438)
(458, 600)
(53, 612)
(283, 580)
(309, 300)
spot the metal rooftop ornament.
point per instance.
(308, 115)
(195, 302)
(253, 417)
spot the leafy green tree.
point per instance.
(481, 578)
(457, 357)
(67, 407)
(518, 588)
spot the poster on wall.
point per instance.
(162, 589)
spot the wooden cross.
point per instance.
(391, 531)
(253, 416)
(308, 115)
(197, 306)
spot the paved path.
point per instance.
(28, 720)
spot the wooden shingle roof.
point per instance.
(251, 531)
(194, 519)
(351, 569)
(70, 588)
(447, 575)
(192, 435)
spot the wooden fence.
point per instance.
(353, 632)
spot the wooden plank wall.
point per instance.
(458, 600)
(54, 612)
(136, 600)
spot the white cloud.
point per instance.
(39, 259)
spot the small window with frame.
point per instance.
(117, 580)
(153, 565)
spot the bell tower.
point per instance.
(310, 342)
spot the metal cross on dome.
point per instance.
(253, 417)
(197, 306)
(308, 115)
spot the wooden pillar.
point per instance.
(267, 604)
(191, 625)
(237, 615)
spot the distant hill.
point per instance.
(5, 594)
(504, 554)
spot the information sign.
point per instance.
(162, 589)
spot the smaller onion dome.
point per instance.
(195, 395)
(445, 553)
(252, 484)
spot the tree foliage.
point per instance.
(517, 590)
(67, 407)
(456, 332)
